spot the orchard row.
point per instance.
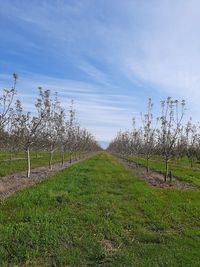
(49, 128)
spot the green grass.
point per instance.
(18, 165)
(182, 170)
(97, 213)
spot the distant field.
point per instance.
(19, 162)
(181, 168)
(97, 213)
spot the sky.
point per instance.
(110, 56)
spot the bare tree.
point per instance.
(148, 133)
(6, 99)
(60, 127)
(13, 128)
(170, 128)
(71, 126)
(34, 126)
(50, 135)
(191, 138)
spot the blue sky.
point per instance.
(108, 55)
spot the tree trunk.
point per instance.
(191, 163)
(28, 163)
(63, 157)
(70, 158)
(166, 169)
(147, 164)
(11, 155)
(171, 177)
(50, 160)
(136, 163)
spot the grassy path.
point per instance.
(97, 213)
(13, 183)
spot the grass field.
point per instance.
(180, 169)
(19, 162)
(97, 213)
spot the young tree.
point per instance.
(34, 126)
(148, 133)
(170, 128)
(6, 99)
(12, 129)
(50, 134)
(191, 139)
(60, 127)
(71, 126)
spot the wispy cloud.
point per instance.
(97, 109)
(110, 56)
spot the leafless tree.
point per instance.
(170, 129)
(148, 133)
(33, 126)
(6, 100)
(71, 126)
(60, 127)
(191, 139)
(50, 134)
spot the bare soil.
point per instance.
(16, 182)
(155, 179)
(109, 246)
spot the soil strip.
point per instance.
(154, 178)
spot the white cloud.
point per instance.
(148, 44)
(169, 55)
(100, 112)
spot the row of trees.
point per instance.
(48, 129)
(167, 135)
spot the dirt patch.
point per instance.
(15, 182)
(155, 178)
(109, 246)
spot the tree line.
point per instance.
(166, 136)
(49, 128)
